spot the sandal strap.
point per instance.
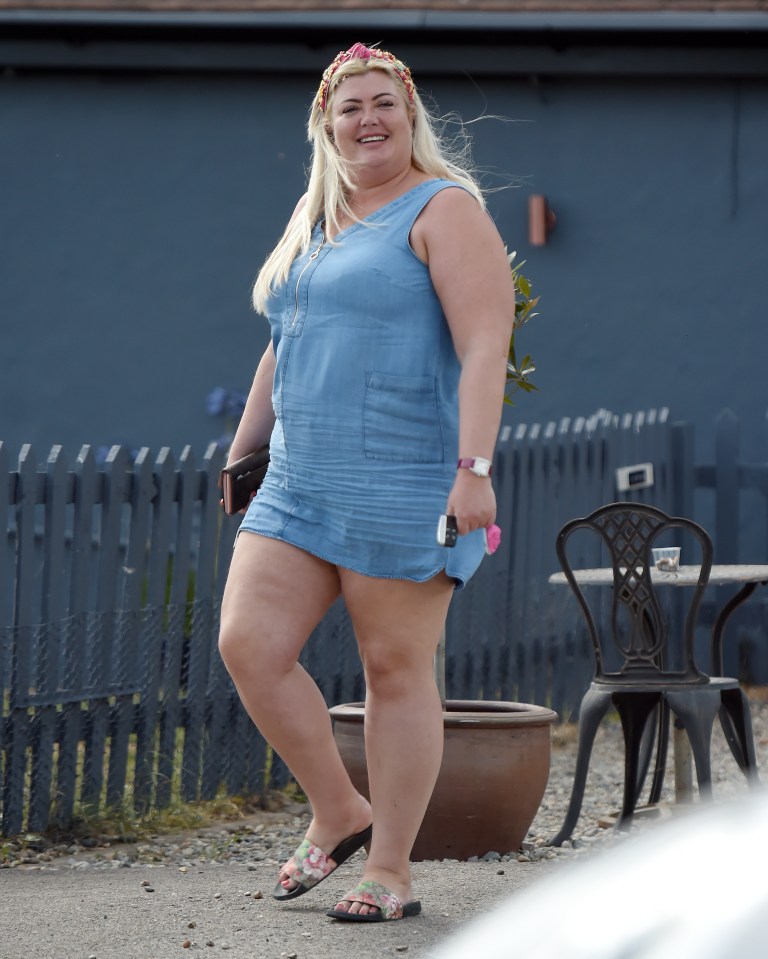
(371, 893)
(310, 865)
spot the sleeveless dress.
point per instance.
(364, 447)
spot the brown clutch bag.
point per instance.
(242, 478)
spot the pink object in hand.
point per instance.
(492, 538)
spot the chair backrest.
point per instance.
(636, 643)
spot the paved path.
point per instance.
(77, 914)
(60, 912)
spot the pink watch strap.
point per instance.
(468, 462)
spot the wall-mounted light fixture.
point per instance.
(541, 220)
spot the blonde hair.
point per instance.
(330, 183)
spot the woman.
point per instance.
(391, 304)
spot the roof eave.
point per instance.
(530, 21)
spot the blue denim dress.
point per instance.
(365, 443)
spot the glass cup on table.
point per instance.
(666, 558)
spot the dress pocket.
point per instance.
(401, 419)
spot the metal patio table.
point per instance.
(749, 576)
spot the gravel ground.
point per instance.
(270, 837)
(208, 890)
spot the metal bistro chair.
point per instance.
(633, 657)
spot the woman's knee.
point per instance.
(392, 676)
(255, 655)
(235, 646)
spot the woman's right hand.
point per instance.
(472, 501)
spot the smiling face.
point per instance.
(371, 123)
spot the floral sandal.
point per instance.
(371, 893)
(311, 865)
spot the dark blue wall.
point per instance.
(137, 208)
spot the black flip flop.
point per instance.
(346, 848)
(371, 893)
(409, 909)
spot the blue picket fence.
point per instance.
(112, 574)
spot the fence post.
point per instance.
(48, 640)
(19, 732)
(7, 496)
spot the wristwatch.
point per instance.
(477, 464)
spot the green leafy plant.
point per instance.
(525, 304)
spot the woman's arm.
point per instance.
(470, 272)
(258, 416)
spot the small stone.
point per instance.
(191, 925)
(145, 882)
(252, 867)
(257, 895)
(217, 895)
(499, 872)
(186, 944)
(183, 869)
(209, 942)
(401, 948)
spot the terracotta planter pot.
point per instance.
(493, 776)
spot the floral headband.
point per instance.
(360, 52)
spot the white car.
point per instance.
(693, 887)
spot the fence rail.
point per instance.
(112, 688)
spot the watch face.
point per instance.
(481, 467)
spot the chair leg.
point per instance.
(662, 746)
(594, 706)
(634, 709)
(646, 750)
(736, 721)
(696, 711)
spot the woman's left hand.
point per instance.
(472, 501)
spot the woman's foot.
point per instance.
(395, 884)
(374, 901)
(325, 847)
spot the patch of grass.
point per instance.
(129, 821)
(564, 734)
(123, 823)
(757, 694)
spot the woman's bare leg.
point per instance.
(275, 595)
(398, 626)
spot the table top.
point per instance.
(682, 576)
